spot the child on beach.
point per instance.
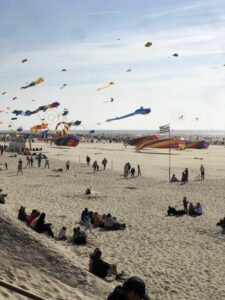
(62, 234)
(87, 223)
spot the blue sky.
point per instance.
(82, 36)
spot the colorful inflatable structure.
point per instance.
(70, 141)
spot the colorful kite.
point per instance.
(40, 108)
(197, 119)
(39, 127)
(105, 87)
(14, 98)
(66, 127)
(24, 60)
(175, 55)
(64, 85)
(148, 44)
(33, 83)
(128, 70)
(92, 131)
(181, 117)
(140, 111)
(20, 129)
(70, 141)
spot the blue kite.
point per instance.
(140, 111)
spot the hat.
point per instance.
(136, 285)
(22, 207)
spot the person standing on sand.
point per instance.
(186, 174)
(104, 162)
(31, 161)
(132, 173)
(185, 203)
(39, 161)
(202, 170)
(88, 160)
(46, 163)
(67, 165)
(139, 170)
(6, 166)
(20, 167)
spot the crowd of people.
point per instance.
(193, 210)
(131, 170)
(184, 177)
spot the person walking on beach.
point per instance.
(139, 170)
(185, 203)
(2, 149)
(104, 162)
(39, 161)
(202, 170)
(46, 163)
(186, 174)
(67, 165)
(88, 160)
(95, 165)
(6, 166)
(132, 173)
(20, 167)
(28, 161)
(31, 161)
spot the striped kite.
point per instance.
(33, 83)
(105, 87)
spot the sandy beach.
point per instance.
(177, 257)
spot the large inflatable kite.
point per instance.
(140, 111)
(39, 127)
(141, 140)
(71, 141)
(33, 83)
(40, 108)
(65, 127)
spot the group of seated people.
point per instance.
(191, 209)
(221, 223)
(184, 177)
(36, 221)
(132, 288)
(90, 220)
(37, 149)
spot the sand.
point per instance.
(178, 257)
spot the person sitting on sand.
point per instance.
(2, 197)
(84, 214)
(174, 179)
(221, 223)
(99, 267)
(198, 209)
(62, 234)
(133, 288)
(42, 227)
(98, 220)
(111, 224)
(191, 209)
(132, 172)
(79, 236)
(32, 216)
(22, 216)
(183, 178)
(34, 221)
(87, 223)
(88, 191)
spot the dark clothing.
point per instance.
(99, 267)
(117, 294)
(84, 214)
(41, 227)
(22, 216)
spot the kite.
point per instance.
(175, 55)
(39, 127)
(1, 111)
(3, 93)
(140, 111)
(24, 60)
(148, 44)
(64, 85)
(110, 101)
(66, 127)
(76, 123)
(14, 98)
(181, 117)
(128, 70)
(8, 107)
(10, 126)
(63, 70)
(92, 131)
(20, 129)
(197, 119)
(65, 112)
(33, 100)
(40, 108)
(182, 143)
(33, 83)
(13, 118)
(105, 87)
(99, 123)
(71, 141)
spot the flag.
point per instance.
(164, 128)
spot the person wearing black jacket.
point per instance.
(22, 216)
(42, 227)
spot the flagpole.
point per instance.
(169, 154)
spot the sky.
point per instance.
(96, 42)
